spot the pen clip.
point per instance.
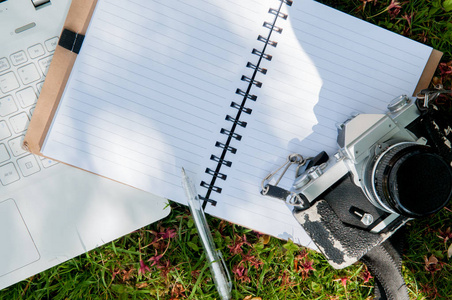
(223, 263)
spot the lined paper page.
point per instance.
(149, 87)
(155, 79)
(326, 66)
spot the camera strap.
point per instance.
(344, 245)
(435, 121)
(291, 198)
(274, 191)
(385, 264)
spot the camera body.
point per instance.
(383, 173)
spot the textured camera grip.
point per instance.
(342, 245)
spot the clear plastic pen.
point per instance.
(218, 268)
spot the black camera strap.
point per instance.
(343, 245)
(435, 121)
(385, 264)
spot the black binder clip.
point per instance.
(71, 41)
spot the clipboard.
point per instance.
(77, 22)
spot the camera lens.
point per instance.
(412, 180)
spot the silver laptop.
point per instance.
(49, 212)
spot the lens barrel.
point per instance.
(412, 180)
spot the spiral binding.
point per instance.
(259, 69)
(262, 54)
(211, 187)
(220, 161)
(216, 174)
(272, 27)
(240, 107)
(252, 81)
(227, 147)
(267, 41)
(277, 13)
(246, 95)
(234, 135)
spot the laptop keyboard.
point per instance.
(21, 78)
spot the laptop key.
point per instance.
(8, 174)
(16, 146)
(4, 130)
(18, 58)
(19, 122)
(26, 97)
(4, 155)
(7, 106)
(4, 64)
(28, 165)
(44, 63)
(51, 44)
(39, 87)
(29, 73)
(36, 51)
(47, 162)
(8, 82)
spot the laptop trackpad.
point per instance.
(17, 247)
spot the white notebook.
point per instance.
(225, 89)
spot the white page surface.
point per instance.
(149, 87)
(155, 79)
(326, 65)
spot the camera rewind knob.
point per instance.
(398, 103)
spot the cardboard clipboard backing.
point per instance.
(429, 71)
(63, 60)
(77, 21)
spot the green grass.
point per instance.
(262, 266)
(174, 267)
(426, 21)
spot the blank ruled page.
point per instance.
(155, 79)
(326, 66)
(150, 86)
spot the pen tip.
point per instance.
(183, 171)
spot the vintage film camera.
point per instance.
(388, 169)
